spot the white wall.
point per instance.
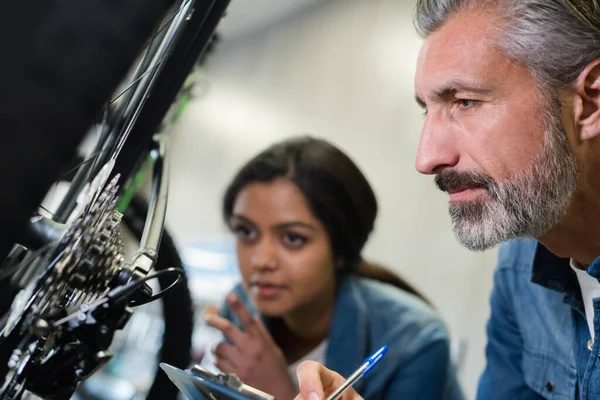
(342, 70)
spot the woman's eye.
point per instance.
(244, 232)
(293, 240)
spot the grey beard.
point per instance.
(528, 205)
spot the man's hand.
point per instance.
(252, 355)
(317, 382)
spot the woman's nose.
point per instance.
(264, 255)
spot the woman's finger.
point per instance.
(225, 351)
(225, 366)
(210, 309)
(231, 332)
(244, 315)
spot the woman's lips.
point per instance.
(266, 290)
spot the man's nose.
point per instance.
(438, 148)
(264, 256)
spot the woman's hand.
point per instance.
(252, 355)
(317, 382)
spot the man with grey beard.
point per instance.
(511, 90)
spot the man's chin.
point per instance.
(477, 239)
(475, 245)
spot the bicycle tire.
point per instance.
(62, 60)
(178, 310)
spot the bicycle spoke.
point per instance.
(146, 51)
(90, 158)
(148, 71)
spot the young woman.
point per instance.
(302, 212)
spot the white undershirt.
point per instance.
(590, 289)
(317, 354)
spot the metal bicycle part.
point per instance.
(146, 257)
(83, 267)
(75, 272)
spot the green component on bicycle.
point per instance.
(183, 104)
(132, 186)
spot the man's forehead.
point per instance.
(462, 49)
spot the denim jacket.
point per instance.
(538, 340)
(370, 314)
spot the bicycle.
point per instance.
(66, 288)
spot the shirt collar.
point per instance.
(553, 272)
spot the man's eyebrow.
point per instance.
(452, 87)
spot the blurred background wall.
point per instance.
(342, 70)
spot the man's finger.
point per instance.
(246, 318)
(316, 381)
(231, 332)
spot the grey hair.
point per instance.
(554, 39)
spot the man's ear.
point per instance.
(587, 101)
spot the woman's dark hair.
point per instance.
(337, 193)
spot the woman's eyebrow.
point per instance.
(283, 225)
(243, 218)
(293, 224)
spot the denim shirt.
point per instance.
(370, 314)
(538, 336)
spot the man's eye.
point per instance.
(466, 103)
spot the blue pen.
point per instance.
(359, 373)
